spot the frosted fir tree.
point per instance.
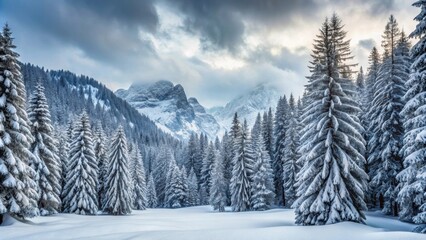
(361, 93)
(262, 184)
(194, 159)
(217, 144)
(372, 74)
(242, 171)
(48, 165)
(151, 194)
(193, 194)
(218, 188)
(139, 190)
(65, 157)
(206, 172)
(82, 172)
(102, 162)
(177, 189)
(268, 131)
(117, 185)
(411, 196)
(280, 128)
(19, 194)
(160, 170)
(183, 178)
(291, 154)
(226, 152)
(63, 149)
(370, 80)
(386, 127)
(331, 183)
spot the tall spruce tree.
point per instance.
(102, 162)
(217, 188)
(291, 154)
(227, 154)
(117, 185)
(48, 165)
(242, 170)
(138, 182)
(370, 80)
(280, 128)
(331, 183)
(268, 131)
(206, 172)
(159, 173)
(151, 195)
(193, 194)
(63, 149)
(412, 178)
(82, 172)
(386, 128)
(372, 74)
(194, 159)
(262, 184)
(177, 189)
(19, 194)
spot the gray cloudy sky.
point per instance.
(217, 49)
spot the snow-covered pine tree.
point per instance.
(63, 149)
(19, 194)
(360, 82)
(159, 173)
(242, 171)
(177, 188)
(373, 71)
(217, 188)
(138, 182)
(372, 74)
(217, 144)
(362, 99)
(117, 185)
(291, 154)
(48, 165)
(280, 127)
(227, 153)
(206, 172)
(386, 127)
(151, 195)
(193, 194)
(262, 183)
(102, 162)
(194, 159)
(268, 131)
(330, 184)
(82, 172)
(65, 162)
(412, 179)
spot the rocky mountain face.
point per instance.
(168, 106)
(248, 105)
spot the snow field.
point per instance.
(202, 223)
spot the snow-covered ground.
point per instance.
(203, 223)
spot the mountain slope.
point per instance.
(167, 105)
(68, 94)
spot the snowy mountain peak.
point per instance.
(248, 105)
(167, 105)
(196, 105)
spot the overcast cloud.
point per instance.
(216, 49)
